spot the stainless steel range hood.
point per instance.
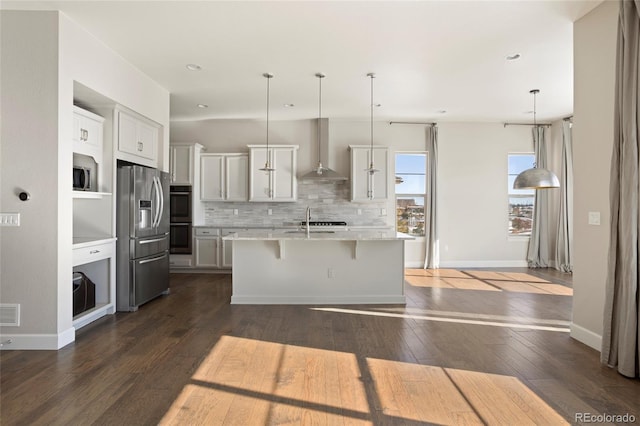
(322, 173)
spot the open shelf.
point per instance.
(100, 310)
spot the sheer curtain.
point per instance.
(564, 237)
(432, 255)
(620, 339)
(538, 253)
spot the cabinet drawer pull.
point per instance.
(94, 251)
(140, 146)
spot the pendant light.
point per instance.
(267, 165)
(371, 169)
(319, 168)
(536, 177)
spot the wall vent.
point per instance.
(9, 314)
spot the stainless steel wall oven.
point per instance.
(181, 216)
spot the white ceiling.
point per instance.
(428, 56)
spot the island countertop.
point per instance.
(318, 235)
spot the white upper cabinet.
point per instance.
(278, 185)
(137, 137)
(87, 133)
(182, 159)
(366, 186)
(223, 177)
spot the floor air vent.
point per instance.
(9, 314)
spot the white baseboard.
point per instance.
(484, 264)
(416, 264)
(37, 341)
(587, 337)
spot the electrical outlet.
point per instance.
(9, 219)
(359, 211)
(269, 212)
(383, 212)
(594, 218)
(235, 212)
(331, 273)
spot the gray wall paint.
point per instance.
(594, 83)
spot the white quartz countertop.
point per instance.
(354, 235)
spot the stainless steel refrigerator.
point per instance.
(143, 236)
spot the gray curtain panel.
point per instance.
(538, 253)
(432, 256)
(621, 331)
(564, 238)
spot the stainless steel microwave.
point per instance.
(81, 179)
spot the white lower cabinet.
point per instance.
(207, 247)
(96, 259)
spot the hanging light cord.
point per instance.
(320, 76)
(372, 120)
(268, 81)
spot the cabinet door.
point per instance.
(259, 181)
(212, 177)
(237, 177)
(87, 133)
(365, 186)
(380, 180)
(284, 177)
(181, 165)
(207, 252)
(136, 137)
(127, 134)
(147, 141)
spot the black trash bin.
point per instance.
(84, 293)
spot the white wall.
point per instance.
(42, 54)
(594, 84)
(472, 174)
(29, 86)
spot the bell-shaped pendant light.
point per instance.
(371, 169)
(536, 177)
(267, 165)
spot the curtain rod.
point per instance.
(527, 124)
(412, 122)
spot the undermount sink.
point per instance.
(297, 231)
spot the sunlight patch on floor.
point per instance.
(446, 319)
(247, 381)
(517, 282)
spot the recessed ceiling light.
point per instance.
(529, 112)
(442, 111)
(203, 106)
(289, 105)
(194, 67)
(513, 57)
(377, 105)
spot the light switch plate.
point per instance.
(9, 219)
(594, 218)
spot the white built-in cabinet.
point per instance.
(138, 138)
(281, 183)
(364, 185)
(224, 177)
(87, 133)
(93, 241)
(207, 247)
(183, 162)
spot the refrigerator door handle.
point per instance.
(161, 192)
(156, 216)
(155, 259)
(155, 240)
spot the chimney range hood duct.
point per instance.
(321, 173)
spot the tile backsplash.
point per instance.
(328, 201)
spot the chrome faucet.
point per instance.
(307, 218)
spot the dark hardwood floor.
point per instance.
(469, 347)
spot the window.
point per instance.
(520, 200)
(411, 192)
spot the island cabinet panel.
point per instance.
(364, 185)
(224, 177)
(281, 183)
(207, 247)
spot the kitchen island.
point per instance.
(318, 267)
